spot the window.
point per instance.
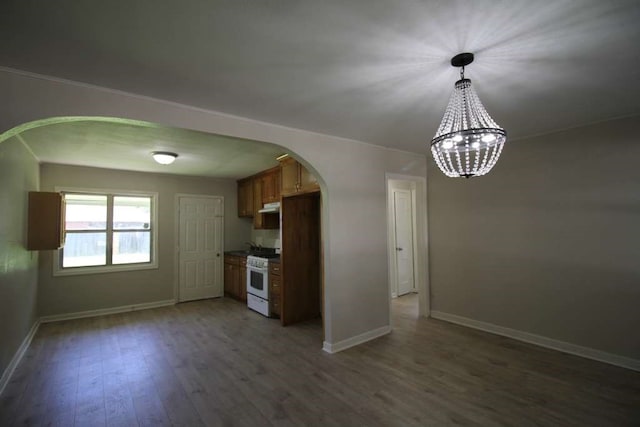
(107, 232)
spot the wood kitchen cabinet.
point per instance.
(245, 198)
(270, 185)
(275, 286)
(243, 279)
(260, 220)
(301, 259)
(295, 178)
(254, 192)
(46, 222)
(235, 277)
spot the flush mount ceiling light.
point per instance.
(468, 142)
(164, 157)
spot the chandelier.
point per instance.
(468, 142)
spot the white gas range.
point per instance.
(258, 282)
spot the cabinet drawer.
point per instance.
(275, 285)
(231, 259)
(274, 268)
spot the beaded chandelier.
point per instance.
(468, 142)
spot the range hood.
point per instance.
(270, 208)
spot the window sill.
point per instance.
(77, 271)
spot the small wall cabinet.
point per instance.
(296, 179)
(46, 222)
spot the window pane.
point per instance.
(84, 249)
(86, 212)
(131, 247)
(131, 213)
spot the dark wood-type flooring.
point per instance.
(216, 363)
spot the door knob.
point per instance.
(398, 249)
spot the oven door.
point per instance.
(258, 282)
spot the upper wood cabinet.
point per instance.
(254, 192)
(245, 198)
(46, 222)
(295, 178)
(260, 220)
(289, 170)
(270, 185)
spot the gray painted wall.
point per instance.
(18, 267)
(70, 294)
(549, 241)
(352, 175)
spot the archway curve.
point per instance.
(50, 121)
(17, 130)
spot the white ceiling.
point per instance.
(128, 145)
(371, 70)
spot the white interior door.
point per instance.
(403, 226)
(200, 247)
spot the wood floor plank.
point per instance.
(214, 362)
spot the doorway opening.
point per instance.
(407, 245)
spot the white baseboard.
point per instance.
(565, 347)
(6, 375)
(353, 341)
(105, 311)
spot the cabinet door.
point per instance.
(237, 288)
(289, 176)
(275, 289)
(45, 230)
(245, 198)
(300, 258)
(232, 276)
(243, 279)
(271, 186)
(228, 278)
(260, 220)
(308, 182)
(257, 203)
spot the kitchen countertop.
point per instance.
(244, 253)
(238, 253)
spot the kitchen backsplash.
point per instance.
(266, 238)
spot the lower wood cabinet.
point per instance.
(235, 277)
(275, 289)
(300, 259)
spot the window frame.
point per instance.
(59, 270)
